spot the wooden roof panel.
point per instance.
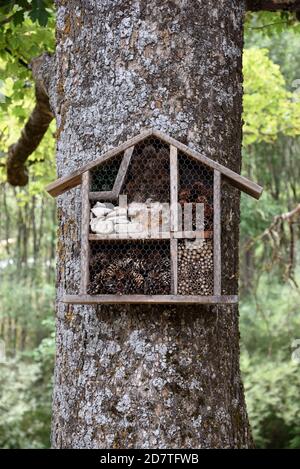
(65, 183)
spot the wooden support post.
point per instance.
(85, 228)
(217, 233)
(174, 188)
(174, 217)
(174, 265)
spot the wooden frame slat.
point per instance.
(65, 183)
(217, 233)
(192, 234)
(128, 236)
(241, 182)
(120, 179)
(103, 195)
(148, 299)
(85, 228)
(158, 236)
(173, 188)
(174, 265)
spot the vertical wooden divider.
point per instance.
(85, 228)
(174, 217)
(217, 232)
(122, 173)
(174, 265)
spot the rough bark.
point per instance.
(147, 376)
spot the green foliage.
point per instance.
(27, 237)
(26, 370)
(27, 330)
(269, 307)
(269, 108)
(17, 94)
(16, 378)
(256, 217)
(25, 402)
(271, 146)
(15, 12)
(272, 393)
(269, 322)
(270, 24)
(32, 299)
(270, 319)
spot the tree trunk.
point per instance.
(147, 376)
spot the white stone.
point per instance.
(102, 226)
(121, 220)
(101, 211)
(128, 228)
(100, 204)
(117, 219)
(117, 212)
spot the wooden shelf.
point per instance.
(124, 237)
(192, 234)
(156, 236)
(148, 299)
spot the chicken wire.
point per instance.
(195, 257)
(148, 177)
(125, 267)
(104, 175)
(195, 182)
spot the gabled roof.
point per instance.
(65, 183)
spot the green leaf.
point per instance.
(18, 17)
(8, 6)
(39, 12)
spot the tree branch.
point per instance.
(273, 5)
(275, 235)
(19, 59)
(274, 227)
(36, 126)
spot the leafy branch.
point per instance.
(15, 11)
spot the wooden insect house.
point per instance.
(151, 223)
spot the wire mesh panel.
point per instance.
(126, 267)
(119, 266)
(195, 257)
(148, 177)
(196, 187)
(140, 194)
(104, 175)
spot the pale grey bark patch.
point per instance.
(147, 376)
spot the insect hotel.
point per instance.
(151, 223)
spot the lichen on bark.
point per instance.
(147, 376)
